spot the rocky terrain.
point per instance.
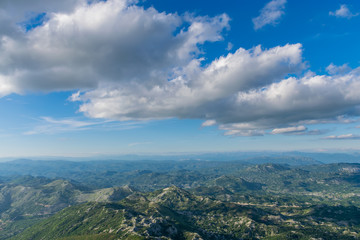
(187, 200)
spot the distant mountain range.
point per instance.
(322, 157)
(265, 198)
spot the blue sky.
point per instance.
(80, 78)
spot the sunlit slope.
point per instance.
(173, 213)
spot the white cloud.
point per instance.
(343, 137)
(124, 62)
(240, 109)
(21, 8)
(298, 130)
(50, 126)
(333, 69)
(270, 14)
(104, 43)
(14, 12)
(292, 101)
(196, 92)
(6, 86)
(343, 12)
(208, 123)
(289, 130)
(241, 129)
(342, 119)
(68, 122)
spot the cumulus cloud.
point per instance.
(343, 137)
(13, 12)
(124, 62)
(343, 12)
(19, 8)
(239, 112)
(101, 43)
(312, 99)
(270, 14)
(210, 92)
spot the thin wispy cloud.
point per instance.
(229, 46)
(343, 12)
(270, 14)
(342, 119)
(298, 130)
(289, 130)
(69, 122)
(333, 69)
(50, 125)
(208, 123)
(343, 137)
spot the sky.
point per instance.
(92, 77)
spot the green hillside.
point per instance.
(26, 200)
(221, 201)
(173, 213)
